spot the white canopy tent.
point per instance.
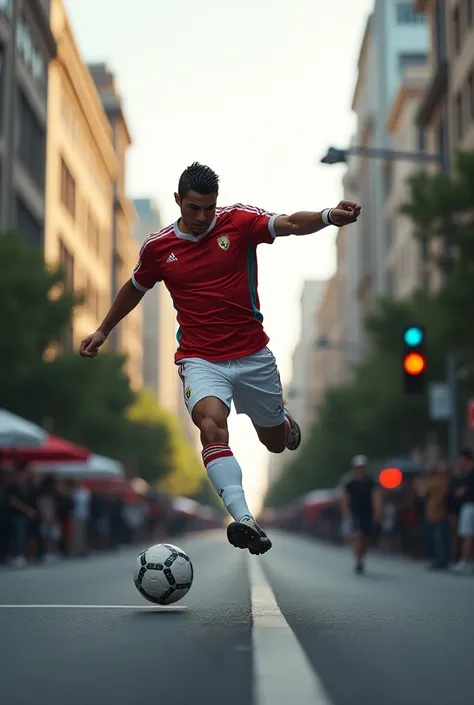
(96, 467)
(18, 432)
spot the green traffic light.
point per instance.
(413, 336)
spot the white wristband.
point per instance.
(325, 216)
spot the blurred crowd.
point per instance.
(43, 517)
(428, 516)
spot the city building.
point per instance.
(329, 364)
(26, 48)
(447, 112)
(395, 37)
(407, 268)
(298, 392)
(149, 221)
(348, 260)
(83, 168)
(124, 251)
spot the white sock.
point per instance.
(226, 476)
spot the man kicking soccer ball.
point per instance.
(207, 261)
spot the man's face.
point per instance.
(360, 470)
(197, 210)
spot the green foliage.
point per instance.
(371, 414)
(87, 401)
(34, 309)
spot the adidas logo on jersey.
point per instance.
(172, 258)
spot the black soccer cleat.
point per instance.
(294, 440)
(248, 534)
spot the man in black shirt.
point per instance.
(21, 512)
(464, 492)
(361, 508)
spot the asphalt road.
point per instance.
(292, 627)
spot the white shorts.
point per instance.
(466, 521)
(252, 383)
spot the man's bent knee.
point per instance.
(210, 416)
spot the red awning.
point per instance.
(54, 449)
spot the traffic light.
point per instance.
(414, 359)
(391, 478)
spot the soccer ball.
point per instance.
(163, 574)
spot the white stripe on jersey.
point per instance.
(242, 207)
(156, 236)
(151, 238)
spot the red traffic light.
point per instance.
(390, 478)
(414, 363)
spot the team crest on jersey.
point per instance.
(187, 393)
(223, 242)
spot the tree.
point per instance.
(442, 209)
(148, 438)
(182, 472)
(371, 414)
(187, 471)
(34, 310)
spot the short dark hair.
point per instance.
(466, 453)
(200, 178)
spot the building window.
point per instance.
(456, 29)
(66, 260)
(30, 52)
(411, 59)
(458, 116)
(470, 94)
(6, 7)
(389, 234)
(2, 70)
(93, 236)
(440, 31)
(28, 227)
(405, 14)
(68, 189)
(469, 12)
(31, 142)
(388, 177)
(420, 139)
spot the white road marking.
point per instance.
(156, 608)
(283, 673)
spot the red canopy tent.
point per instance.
(54, 449)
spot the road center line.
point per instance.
(282, 672)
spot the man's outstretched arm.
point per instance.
(307, 222)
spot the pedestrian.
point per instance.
(361, 509)
(433, 488)
(21, 513)
(207, 260)
(464, 491)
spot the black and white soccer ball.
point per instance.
(163, 574)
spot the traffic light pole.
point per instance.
(451, 356)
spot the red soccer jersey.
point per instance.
(212, 279)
